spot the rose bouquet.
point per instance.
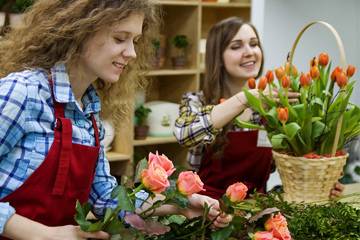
(315, 127)
(159, 184)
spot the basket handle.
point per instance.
(342, 62)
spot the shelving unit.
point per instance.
(192, 18)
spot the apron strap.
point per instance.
(65, 155)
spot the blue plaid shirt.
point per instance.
(27, 116)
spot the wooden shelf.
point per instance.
(172, 72)
(175, 2)
(155, 140)
(227, 5)
(117, 157)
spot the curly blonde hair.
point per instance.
(55, 30)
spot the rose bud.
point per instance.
(350, 71)
(314, 72)
(283, 114)
(305, 80)
(252, 83)
(294, 71)
(270, 76)
(279, 72)
(341, 80)
(163, 161)
(262, 83)
(263, 235)
(236, 192)
(189, 182)
(155, 178)
(323, 59)
(335, 72)
(285, 81)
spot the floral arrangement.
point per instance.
(321, 119)
(157, 175)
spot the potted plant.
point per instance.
(180, 43)
(159, 51)
(13, 11)
(141, 128)
(308, 137)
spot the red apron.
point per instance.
(242, 161)
(49, 195)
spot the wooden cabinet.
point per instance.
(192, 18)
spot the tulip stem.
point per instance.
(136, 190)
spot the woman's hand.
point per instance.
(71, 232)
(196, 208)
(337, 190)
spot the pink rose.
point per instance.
(155, 178)
(278, 225)
(263, 235)
(163, 161)
(236, 192)
(189, 182)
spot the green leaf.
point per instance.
(300, 110)
(254, 102)
(142, 165)
(81, 214)
(96, 226)
(124, 201)
(223, 233)
(177, 219)
(278, 141)
(181, 200)
(291, 129)
(243, 124)
(317, 129)
(114, 227)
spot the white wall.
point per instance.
(279, 21)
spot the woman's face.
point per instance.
(242, 57)
(107, 53)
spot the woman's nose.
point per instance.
(130, 52)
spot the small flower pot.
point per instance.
(179, 62)
(141, 132)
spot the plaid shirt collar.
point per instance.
(64, 94)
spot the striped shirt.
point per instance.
(194, 129)
(26, 132)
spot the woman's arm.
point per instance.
(194, 126)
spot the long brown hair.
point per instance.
(219, 37)
(55, 30)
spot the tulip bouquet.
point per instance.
(155, 176)
(309, 126)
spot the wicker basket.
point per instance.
(311, 180)
(308, 180)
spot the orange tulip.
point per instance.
(262, 83)
(323, 59)
(313, 62)
(335, 72)
(305, 79)
(341, 79)
(283, 114)
(314, 72)
(285, 81)
(270, 76)
(252, 83)
(350, 70)
(279, 72)
(294, 71)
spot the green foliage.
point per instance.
(20, 6)
(156, 43)
(180, 41)
(331, 221)
(141, 114)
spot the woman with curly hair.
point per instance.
(52, 70)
